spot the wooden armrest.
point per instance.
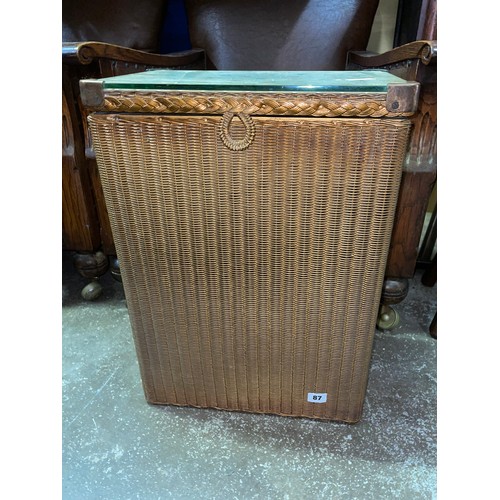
(86, 52)
(424, 50)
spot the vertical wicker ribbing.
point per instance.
(252, 277)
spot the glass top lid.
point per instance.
(265, 81)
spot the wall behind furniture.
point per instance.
(382, 35)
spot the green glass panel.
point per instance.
(263, 81)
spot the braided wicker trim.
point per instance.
(348, 105)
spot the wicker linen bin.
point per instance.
(252, 214)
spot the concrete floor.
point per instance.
(116, 446)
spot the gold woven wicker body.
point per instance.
(252, 277)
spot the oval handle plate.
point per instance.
(236, 144)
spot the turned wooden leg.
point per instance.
(114, 266)
(394, 290)
(91, 266)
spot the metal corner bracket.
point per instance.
(92, 93)
(402, 97)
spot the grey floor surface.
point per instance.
(116, 446)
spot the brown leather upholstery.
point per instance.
(130, 23)
(280, 35)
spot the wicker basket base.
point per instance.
(252, 277)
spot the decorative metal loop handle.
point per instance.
(236, 144)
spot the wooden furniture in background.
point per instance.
(416, 21)
(124, 46)
(415, 61)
